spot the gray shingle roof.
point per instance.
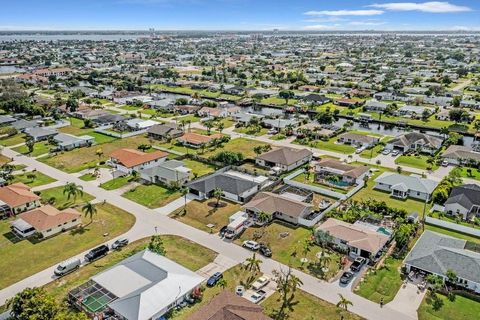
(226, 182)
(466, 196)
(414, 183)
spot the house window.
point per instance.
(49, 230)
(74, 220)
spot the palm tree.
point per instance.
(344, 303)
(72, 190)
(31, 176)
(217, 194)
(90, 210)
(253, 264)
(307, 247)
(222, 283)
(184, 192)
(220, 126)
(263, 217)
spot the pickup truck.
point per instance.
(258, 296)
(358, 264)
(260, 283)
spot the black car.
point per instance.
(223, 231)
(346, 277)
(265, 251)
(96, 253)
(214, 279)
(358, 264)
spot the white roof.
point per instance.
(146, 284)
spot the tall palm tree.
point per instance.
(72, 190)
(90, 210)
(184, 192)
(217, 194)
(263, 217)
(253, 264)
(344, 303)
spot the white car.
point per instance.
(386, 151)
(260, 283)
(258, 296)
(395, 153)
(250, 244)
(445, 163)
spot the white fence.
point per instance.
(453, 226)
(104, 130)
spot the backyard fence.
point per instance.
(453, 226)
(104, 130)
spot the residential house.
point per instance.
(136, 124)
(315, 98)
(436, 254)
(460, 155)
(17, 198)
(375, 106)
(168, 172)
(464, 201)
(280, 123)
(284, 158)
(58, 72)
(39, 134)
(108, 119)
(358, 140)
(414, 111)
(196, 140)
(278, 207)
(6, 120)
(401, 186)
(46, 221)
(128, 160)
(66, 141)
(359, 240)
(236, 186)
(144, 286)
(229, 306)
(415, 141)
(186, 109)
(347, 174)
(164, 131)
(345, 102)
(21, 125)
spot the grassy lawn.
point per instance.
(419, 162)
(88, 177)
(86, 158)
(38, 149)
(460, 309)
(13, 140)
(278, 101)
(61, 200)
(129, 108)
(368, 192)
(251, 131)
(109, 220)
(331, 145)
(308, 307)
(116, 183)
(288, 249)
(198, 168)
(200, 213)
(383, 283)
(180, 250)
(4, 160)
(472, 174)
(452, 233)
(375, 151)
(243, 145)
(77, 128)
(190, 117)
(39, 180)
(151, 196)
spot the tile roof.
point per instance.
(270, 203)
(131, 157)
(285, 156)
(47, 217)
(195, 138)
(17, 194)
(343, 168)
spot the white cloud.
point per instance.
(367, 23)
(344, 13)
(432, 6)
(320, 27)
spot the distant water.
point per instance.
(66, 37)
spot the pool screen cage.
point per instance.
(90, 297)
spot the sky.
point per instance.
(239, 15)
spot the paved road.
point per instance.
(148, 219)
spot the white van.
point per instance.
(67, 266)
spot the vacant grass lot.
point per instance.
(383, 283)
(152, 196)
(287, 245)
(251, 131)
(61, 199)
(460, 309)
(198, 168)
(36, 256)
(13, 140)
(116, 183)
(308, 307)
(86, 158)
(4, 160)
(39, 180)
(242, 145)
(200, 213)
(180, 250)
(331, 145)
(39, 148)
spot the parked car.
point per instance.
(395, 153)
(67, 266)
(222, 231)
(214, 279)
(346, 277)
(265, 251)
(96, 253)
(250, 244)
(258, 296)
(119, 243)
(358, 264)
(260, 283)
(360, 150)
(239, 290)
(445, 163)
(386, 151)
